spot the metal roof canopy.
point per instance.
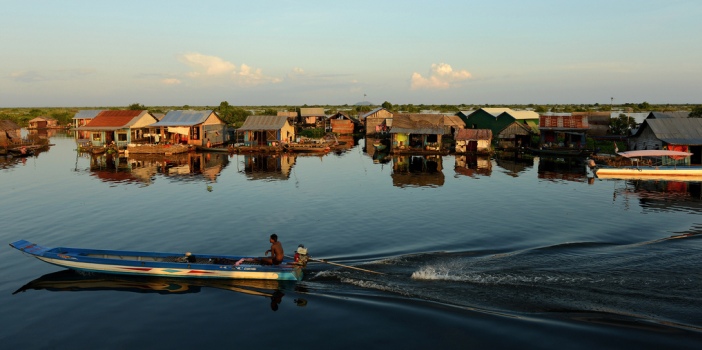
(677, 131)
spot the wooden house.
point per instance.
(671, 133)
(515, 135)
(197, 128)
(341, 123)
(82, 118)
(121, 127)
(293, 116)
(266, 130)
(377, 121)
(42, 123)
(563, 130)
(417, 132)
(312, 116)
(10, 133)
(473, 140)
(528, 118)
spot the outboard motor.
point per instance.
(301, 256)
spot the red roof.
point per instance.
(113, 118)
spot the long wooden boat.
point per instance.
(215, 149)
(640, 168)
(307, 147)
(162, 264)
(558, 152)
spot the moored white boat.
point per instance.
(664, 167)
(163, 264)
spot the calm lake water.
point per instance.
(475, 253)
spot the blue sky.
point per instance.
(174, 53)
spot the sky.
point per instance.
(268, 53)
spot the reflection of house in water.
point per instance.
(662, 195)
(112, 168)
(141, 169)
(514, 166)
(565, 169)
(269, 166)
(41, 133)
(417, 171)
(194, 166)
(473, 165)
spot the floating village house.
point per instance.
(190, 127)
(418, 132)
(121, 127)
(671, 132)
(342, 124)
(473, 140)
(510, 129)
(42, 123)
(82, 118)
(266, 130)
(312, 116)
(10, 133)
(377, 121)
(563, 130)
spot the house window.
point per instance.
(96, 136)
(121, 137)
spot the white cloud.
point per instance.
(171, 81)
(442, 76)
(207, 65)
(211, 67)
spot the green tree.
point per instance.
(387, 105)
(696, 112)
(621, 125)
(645, 106)
(136, 107)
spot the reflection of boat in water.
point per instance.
(215, 149)
(560, 152)
(562, 169)
(651, 164)
(162, 264)
(307, 147)
(72, 281)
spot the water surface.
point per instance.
(495, 253)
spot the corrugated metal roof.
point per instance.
(663, 115)
(427, 124)
(183, 118)
(263, 122)
(474, 134)
(454, 120)
(370, 113)
(110, 120)
(87, 114)
(521, 115)
(677, 131)
(312, 112)
(497, 111)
